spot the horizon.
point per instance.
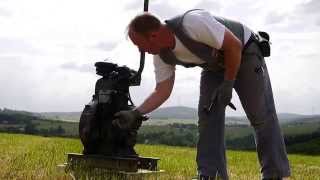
(241, 115)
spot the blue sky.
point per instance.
(48, 49)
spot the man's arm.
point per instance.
(232, 48)
(160, 94)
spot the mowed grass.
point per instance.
(34, 157)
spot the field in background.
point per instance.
(174, 126)
(34, 157)
(301, 133)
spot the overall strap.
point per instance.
(235, 27)
(201, 50)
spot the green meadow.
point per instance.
(36, 157)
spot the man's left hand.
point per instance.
(224, 93)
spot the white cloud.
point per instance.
(4, 12)
(15, 45)
(310, 7)
(105, 46)
(48, 50)
(275, 18)
(213, 6)
(77, 67)
(133, 5)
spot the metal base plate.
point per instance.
(103, 167)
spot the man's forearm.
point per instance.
(158, 96)
(152, 102)
(232, 60)
(232, 48)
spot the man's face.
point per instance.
(148, 43)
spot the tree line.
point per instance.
(27, 123)
(176, 134)
(187, 135)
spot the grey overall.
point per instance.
(254, 90)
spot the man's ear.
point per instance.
(153, 35)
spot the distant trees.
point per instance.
(15, 117)
(172, 134)
(243, 143)
(290, 140)
(30, 128)
(25, 122)
(187, 135)
(304, 143)
(177, 134)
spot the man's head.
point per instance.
(149, 34)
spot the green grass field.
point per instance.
(34, 157)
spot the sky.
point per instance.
(48, 49)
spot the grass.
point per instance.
(34, 157)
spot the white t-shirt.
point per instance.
(201, 26)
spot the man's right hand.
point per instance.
(129, 119)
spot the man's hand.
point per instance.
(130, 119)
(224, 92)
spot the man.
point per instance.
(231, 58)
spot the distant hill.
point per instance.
(65, 116)
(291, 116)
(14, 121)
(286, 118)
(182, 113)
(175, 112)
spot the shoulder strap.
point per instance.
(235, 27)
(203, 51)
(167, 55)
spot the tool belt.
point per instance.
(263, 41)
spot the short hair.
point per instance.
(144, 23)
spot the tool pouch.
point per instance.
(264, 43)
